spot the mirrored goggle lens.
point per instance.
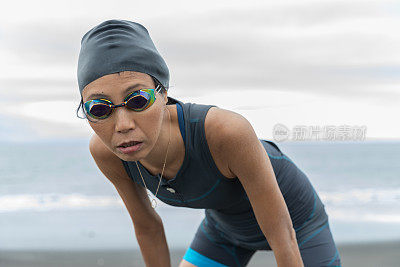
(139, 102)
(99, 110)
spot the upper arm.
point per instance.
(247, 159)
(135, 198)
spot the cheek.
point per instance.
(102, 131)
(153, 122)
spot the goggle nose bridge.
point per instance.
(119, 105)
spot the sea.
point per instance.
(53, 196)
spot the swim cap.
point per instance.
(119, 45)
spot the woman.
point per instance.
(193, 155)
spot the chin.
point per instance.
(126, 157)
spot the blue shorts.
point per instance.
(317, 249)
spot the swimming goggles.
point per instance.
(137, 101)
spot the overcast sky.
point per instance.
(311, 63)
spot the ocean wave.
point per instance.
(46, 202)
(361, 196)
(355, 205)
(53, 201)
(357, 215)
(374, 205)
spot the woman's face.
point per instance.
(124, 124)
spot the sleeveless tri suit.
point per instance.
(229, 234)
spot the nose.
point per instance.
(123, 120)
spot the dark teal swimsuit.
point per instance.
(229, 234)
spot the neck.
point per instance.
(154, 161)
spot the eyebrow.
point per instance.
(125, 91)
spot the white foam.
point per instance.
(363, 205)
(361, 196)
(356, 205)
(356, 215)
(46, 202)
(52, 201)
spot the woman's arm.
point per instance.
(247, 159)
(147, 223)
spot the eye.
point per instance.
(100, 110)
(138, 101)
(94, 106)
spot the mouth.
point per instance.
(129, 143)
(130, 147)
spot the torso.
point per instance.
(211, 130)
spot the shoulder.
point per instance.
(106, 160)
(223, 127)
(221, 123)
(98, 149)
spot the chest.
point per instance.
(211, 143)
(201, 178)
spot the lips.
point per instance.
(130, 149)
(129, 143)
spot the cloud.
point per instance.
(41, 120)
(344, 55)
(341, 50)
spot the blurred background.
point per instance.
(295, 64)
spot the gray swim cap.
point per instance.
(119, 45)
